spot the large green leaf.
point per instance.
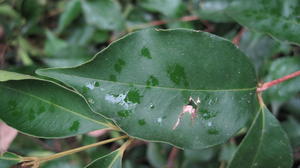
(104, 14)
(45, 109)
(279, 18)
(144, 80)
(265, 145)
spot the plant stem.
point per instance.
(267, 85)
(172, 157)
(65, 153)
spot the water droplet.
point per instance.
(142, 122)
(90, 86)
(124, 113)
(146, 53)
(75, 126)
(159, 120)
(209, 124)
(90, 100)
(152, 106)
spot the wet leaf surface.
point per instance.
(145, 80)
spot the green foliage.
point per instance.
(161, 88)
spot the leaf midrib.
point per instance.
(261, 137)
(159, 87)
(56, 105)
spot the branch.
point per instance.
(172, 157)
(267, 85)
(36, 161)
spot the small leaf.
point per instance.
(166, 7)
(53, 44)
(145, 80)
(71, 12)
(45, 109)
(265, 145)
(277, 18)
(213, 10)
(104, 14)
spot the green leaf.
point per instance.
(8, 159)
(156, 155)
(213, 10)
(62, 54)
(71, 12)
(260, 48)
(292, 127)
(111, 160)
(279, 68)
(53, 44)
(277, 18)
(144, 80)
(265, 145)
(7, 10)
(45, 109)
(104, 14)
(166, 7)
(70, 55)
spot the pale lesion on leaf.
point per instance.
(191, 108)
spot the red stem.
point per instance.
(172, 157)
(267, 85)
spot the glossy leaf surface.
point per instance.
(278, 18)
(265, 145)
(144, 81)
(44, 109)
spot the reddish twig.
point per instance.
(172, 157)
(236, 40)
(267, 85)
